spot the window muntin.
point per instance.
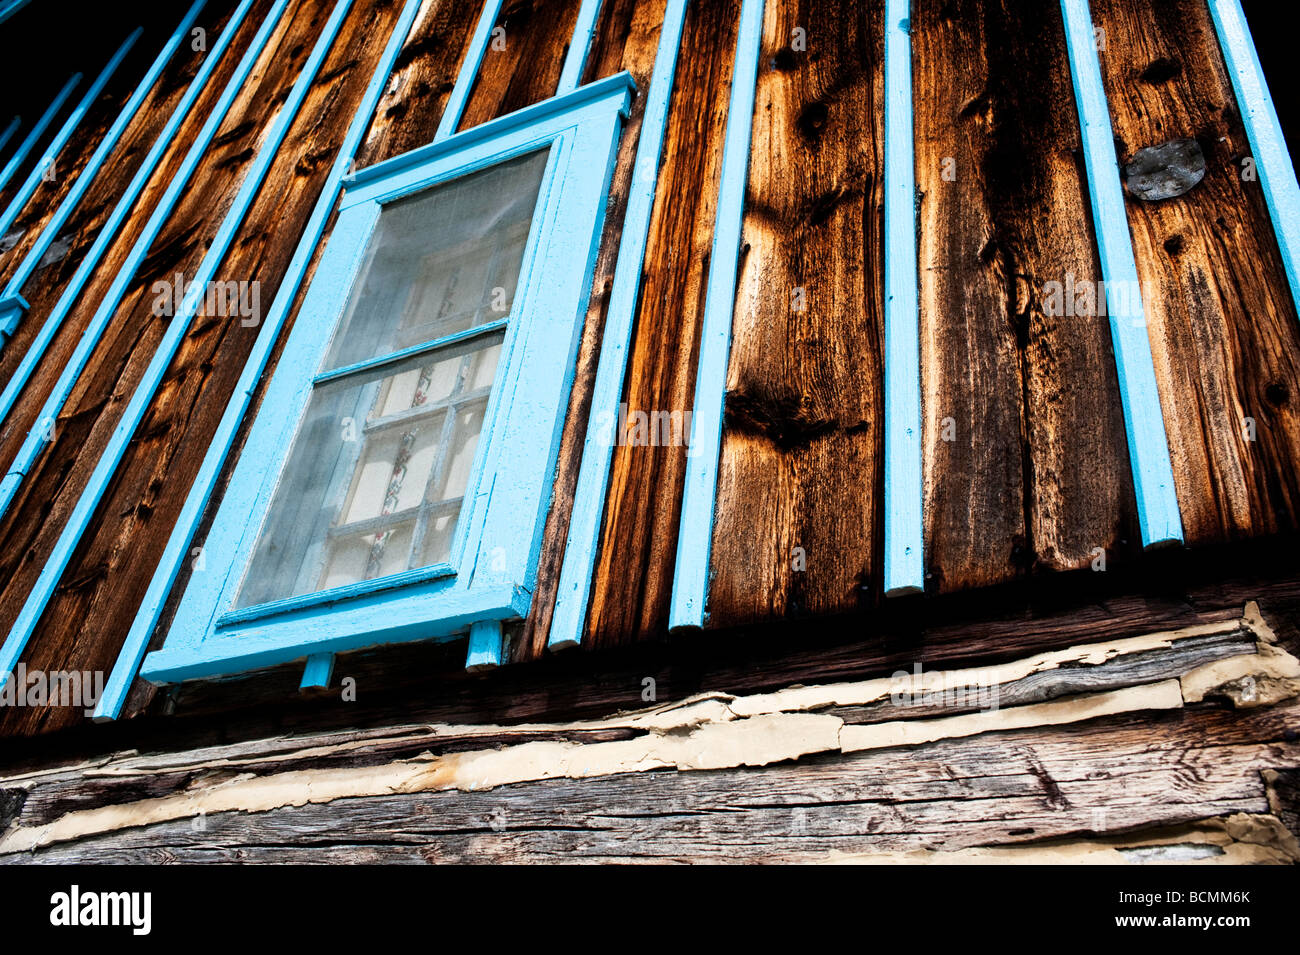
(377, 474)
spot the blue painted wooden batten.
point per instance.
(137, 407)
(178, 545)
(1153, 476)
(9, 131)
(904, 551)
(478, 45)
(47, 161)
(509, 487)
(108, 233)
(1259, 116)
(39, 436)
(579, 47)
(12, 304)
(36, 132)
(574, 590)
(695, 531)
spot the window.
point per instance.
(396, 479)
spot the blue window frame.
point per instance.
(229, 619)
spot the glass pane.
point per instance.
(441, 261)
(374, 480)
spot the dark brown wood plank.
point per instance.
(1223, 328)
(633, 575)
(522, 64)
(627, 38)
(1025, 456)
(798, 518)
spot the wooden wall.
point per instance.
(1026, 470)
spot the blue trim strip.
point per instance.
(36, 439)
(87, 175)
(468, 71)
(574, 591)
(10, 7)
(579, 47)
(904, 547)
(8, 134)
(35, 177)
(1272, 158)
(1148, 447)
(486, 644)
(258, 649)
(178, 546)
(317, 673)
(108, 234)
(176, 329)
(37, 131)
(695, 533)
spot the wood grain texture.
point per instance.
(113, 564)
(1223, 328)
(44, 289)
(798, 518)
(46, 284)
(1105, 777)
(1025, 454)
(627, 37)
(422, 80)
(634, 565)
(526, 69)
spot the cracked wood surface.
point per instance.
(802, 449)
(918, 782)
(1025, 456)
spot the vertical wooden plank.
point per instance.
(638, 537)
(419, 92)
(691, 570)
(1144, 424)
(524, 58)
(573, 593)
(1275, 170)
(1026, 462)
(627, 38)
(1223, 325)
(799, 502)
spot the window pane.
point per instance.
(375, 477)
(441, 261)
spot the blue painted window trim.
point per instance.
(178, 545)
(500, 532)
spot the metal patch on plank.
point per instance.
(1165, 171)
